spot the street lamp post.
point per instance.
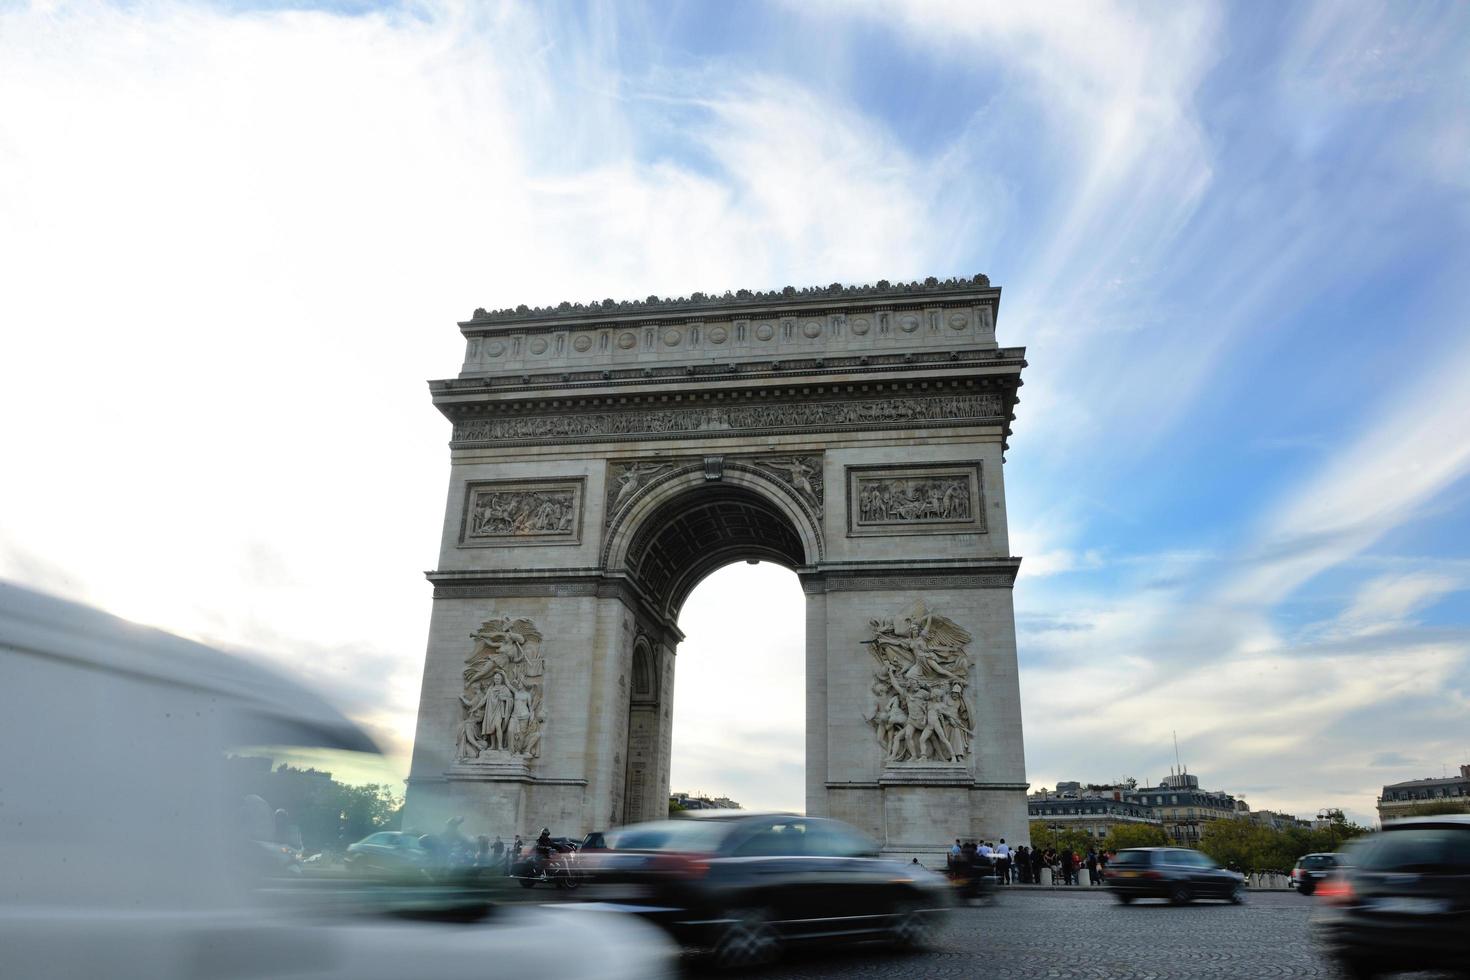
(1326, 815)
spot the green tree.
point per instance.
(1334, 830)
(1043, 837)
(1134, 835)
(330, 814)
(1240, 844)
(1249, 846)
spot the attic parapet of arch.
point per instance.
(788, 299)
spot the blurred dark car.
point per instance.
(1400, 901)
(1311, 870)
(742, 885)
(1176, 873)
(389, 852)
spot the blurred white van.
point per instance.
(121, 839)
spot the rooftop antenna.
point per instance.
(1176, 753)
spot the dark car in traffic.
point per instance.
(742, 885)
(389, 852)
(1311, 870)
(1178, 874)
(1400, 901)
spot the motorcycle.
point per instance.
(557, 868)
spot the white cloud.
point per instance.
(238, 243)
(1415, 449)
(1387, 601)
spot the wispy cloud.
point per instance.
(244, 236)
(248, 235)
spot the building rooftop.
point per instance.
(1464, 776)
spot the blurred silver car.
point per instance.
(126, 847)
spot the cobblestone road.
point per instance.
(1065, 935)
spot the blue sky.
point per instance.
(1233, 239)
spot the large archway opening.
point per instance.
(718, 557)
(740, 689)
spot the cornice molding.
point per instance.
(986, 573)
(721, 372)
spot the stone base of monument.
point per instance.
(926, 805)
(926, 773)
(491, 765)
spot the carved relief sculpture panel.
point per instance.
(802, 474)
(934, 498)
(501, 709)
(514, 512)
(920, 709)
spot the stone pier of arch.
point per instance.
(606, 458)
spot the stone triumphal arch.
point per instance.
(605, 458)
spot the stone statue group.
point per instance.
(501, 706)
(920, 711)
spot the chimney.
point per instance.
(1465, 772)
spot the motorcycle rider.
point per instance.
(544, 848)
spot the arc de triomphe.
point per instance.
(606, 458)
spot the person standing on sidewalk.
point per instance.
(1003, 862)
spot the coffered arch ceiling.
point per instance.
(704, 529)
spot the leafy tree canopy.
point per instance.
(1250, 846)
(1134, 835)
(1043, 837)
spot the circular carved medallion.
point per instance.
(861, 326)
(495, 349)
(717, 335)
(909, 324)
(765, 332)
(538, 346)
(583, 343)
(672, 337)
(959, 321)
(627, 341)
(813, 329)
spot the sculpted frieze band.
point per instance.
(934, 408)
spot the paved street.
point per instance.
(1061, 935)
